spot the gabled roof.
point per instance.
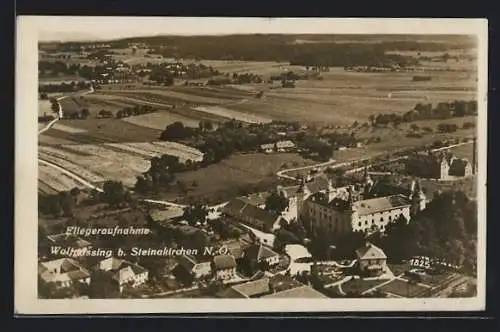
(259, 252)
(304, 292)
(67, 270)
(68, 240)
(379, 204)
(122, 269)
(370, 251)
(187, 262)
(318, 184)
(285, 144)
(253, 288)
(223, 262)
(238, 208)
(235, 248)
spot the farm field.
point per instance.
(100, 131)
(167, 97)
(229, 114)
(222, 181)
(156, 149)
(120, 162)
(96, 163)
(51, 181)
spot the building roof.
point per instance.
(223, 262)
(259, 252)
(379, 204)
(318, 184)
(285, 144)
(238, 208)
(267, 146)
(68, 240)
(235, 248)
(67, 270)
(123, 269)
(253, 288)
(304, 291)
(370, 251)
(291, 191)
(255, 199)
(458, 166)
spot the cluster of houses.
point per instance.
(280, 146)
(66, 271)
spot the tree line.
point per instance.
(443, 110)
(43, 89)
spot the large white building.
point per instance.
(345, 209)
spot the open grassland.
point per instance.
(219, 182)
(100, 131)
(51, 181)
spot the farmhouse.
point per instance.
(285, 146)
(224, 267)
(259, 254)
(124, 272)
(371, 260)
(197, 267)
(63, 272)
(267, 148)
(253, 216)
(281, 146)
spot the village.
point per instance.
(142, 155)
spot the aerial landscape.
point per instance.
(258, 166)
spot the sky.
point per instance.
(72, 28)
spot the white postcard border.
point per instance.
(26, 179)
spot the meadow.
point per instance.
(226, 179)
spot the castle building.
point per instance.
(345, 209)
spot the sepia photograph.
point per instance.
(250, 165)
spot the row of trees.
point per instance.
(62, 87)
(443, 110)
(63, 204)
